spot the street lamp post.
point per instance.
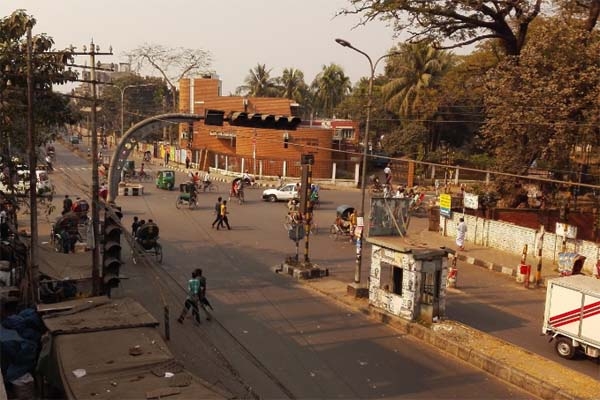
(122, 90)
(373, 66)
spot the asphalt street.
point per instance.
(271, 335)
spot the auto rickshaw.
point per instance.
(165, 179)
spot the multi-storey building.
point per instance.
(264, 147)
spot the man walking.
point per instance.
(224, 219)
(217, 213)
(461, 233)
(388, 174)
(192, 299)
(202, 300)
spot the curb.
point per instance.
(502, 369)
(510, 272)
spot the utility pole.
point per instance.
(94, 51)
(33, 254)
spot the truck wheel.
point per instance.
(564, 348)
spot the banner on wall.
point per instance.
(446, 205)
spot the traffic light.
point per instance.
(268, 121)
(214, 117)
(111, 245)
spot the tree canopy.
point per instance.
(48, 69)
(454, 23)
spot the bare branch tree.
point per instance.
(173, 64)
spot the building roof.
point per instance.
(110, 349)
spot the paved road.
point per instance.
(490, 302)
(271, 333)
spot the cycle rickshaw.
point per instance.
(237, 190)
(65, 232)
(188, 195)
(342, 226)
(146, 242)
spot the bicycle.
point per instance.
(211, 187)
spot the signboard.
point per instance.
(296, 233)
(222, 134)
(471, 201)
(566, 230)
(446, 205)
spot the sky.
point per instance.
(239, 34)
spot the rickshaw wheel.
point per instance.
(213, 188)
(58, 245)
(333, 231)
(178, 203)
(158, 253)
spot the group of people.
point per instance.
(221, 212)
(195, 178)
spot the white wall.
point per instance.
(511, 238)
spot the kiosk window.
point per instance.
(391, 278)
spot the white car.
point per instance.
(284, 193)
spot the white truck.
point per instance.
(572, 315)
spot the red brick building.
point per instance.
(262, 151)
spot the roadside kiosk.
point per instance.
(408, 282)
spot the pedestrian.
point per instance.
(4, 230)
(192, 299)
(461, 233)
(67, 204)
(167, 158)
(388, 174)
(224, 219)
(187, 162)
(217, 212)
(202, 300)
(135, 225)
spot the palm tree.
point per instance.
(419, 69)
(258, 83)
(291, 85)
(330, 87)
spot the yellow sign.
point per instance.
(446, 205)
(445, 201)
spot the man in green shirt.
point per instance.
(196, 292)
(192, 299)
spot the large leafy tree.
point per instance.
(259, 83)
(48, 68)
(455, 22)
(540, 108)
(329, 87)
(354, 106)
(142, 98)
(413, 89)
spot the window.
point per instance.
(391, 278)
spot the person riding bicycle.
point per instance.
(193, 189)
(206, 181)
(247, 178)
(142, 172)
(237, 186)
